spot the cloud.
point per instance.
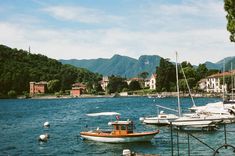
(152, 29)
(80, 14)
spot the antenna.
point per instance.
(29, 49)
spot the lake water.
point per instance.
(21, 123)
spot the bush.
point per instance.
(12, 94)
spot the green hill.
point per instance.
(19, 67)
(119, 65)
(219, 65)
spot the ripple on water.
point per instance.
(22, 122)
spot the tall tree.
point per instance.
(165, 76)
(116, 84)
(201, 71)
(53, 86)
(134, 85)
(229, 6)
(143, 75)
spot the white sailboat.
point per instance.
(194, 121)
(218, 110)
(163, 118)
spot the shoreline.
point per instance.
(157, 95)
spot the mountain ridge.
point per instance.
(126, 66)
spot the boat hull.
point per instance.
(139, 137)
(158, 121)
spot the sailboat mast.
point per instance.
(177, 84)
(223, 81)
(232, 79)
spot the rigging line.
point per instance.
(166, 108)
(194, 105)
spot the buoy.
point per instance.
(141, 119)
(126, 152)
(43, 137)
(46, 124)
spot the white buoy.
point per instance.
(43, 137)
(126, 152)
(46, 124)
(141, 119)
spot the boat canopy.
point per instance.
(128, 122)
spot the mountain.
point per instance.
(219, 65)
(118, 65)
(211, 65)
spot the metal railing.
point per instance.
(189, 135)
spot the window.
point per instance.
(123, 127)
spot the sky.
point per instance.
(88, 29)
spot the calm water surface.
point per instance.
(21, 123)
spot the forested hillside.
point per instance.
(19, 67)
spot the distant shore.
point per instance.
(157, 95)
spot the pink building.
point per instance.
(38, 87)
(77, 89)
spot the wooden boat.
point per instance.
(122, 132)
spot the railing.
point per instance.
(176, 134)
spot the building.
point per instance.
(38, 87)
(152, 81)
(147, 83)
(77, 89)
(140, 80)
(214, 84)
(104, 82)
(202, 84)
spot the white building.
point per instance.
(104, 82)
(214, 83)
(152, 81)
(202, 84)
(147, 83)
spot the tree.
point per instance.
(116, 84)
(18, 68)
(212, 71)
(201, 71)
(185, 64)
(229, 6)
(134, 85)
(12, 94)
(165, 76)
(143, 75)
(53, 86)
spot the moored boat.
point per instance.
(122, 132)
(161, 119)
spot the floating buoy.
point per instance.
(126, 152)
(141, 119)
(46, 124)
(43, 137)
